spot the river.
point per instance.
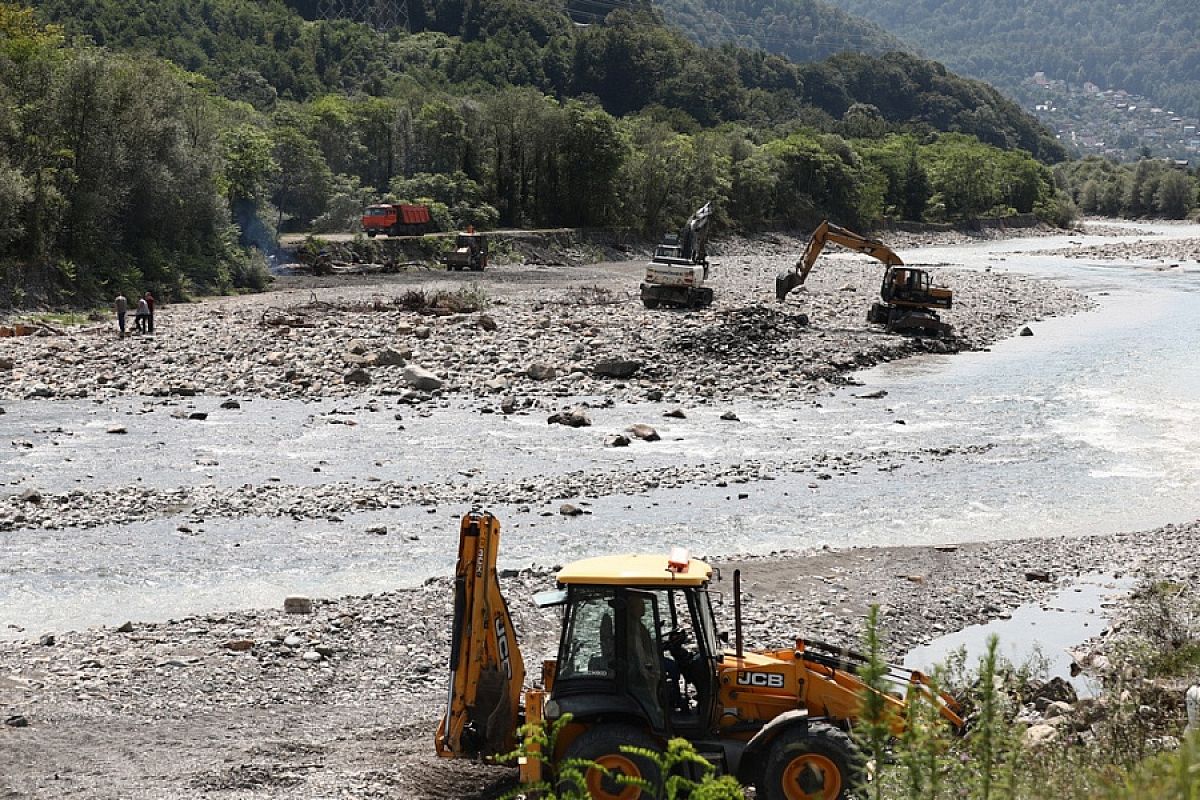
(1088, 426)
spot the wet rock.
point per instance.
(298, 605)
(486, 322)
(1054, 690)
(16, 721)
(1038, 575)
(570, 510)
(620, 440)
(1026, 331)
(617, 368)
(675, 413)
(387, 357)
(30, 496)
(231, 405)
(541, 372)
(199, 416)
(574, 418)
(421, 379)
(644, 432)
(357, 377)
(47, 640)
(729, 416)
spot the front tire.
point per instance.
(820, 763)
(602, 744)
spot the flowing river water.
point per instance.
(1087, 427)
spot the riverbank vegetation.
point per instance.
(1146, 188)
(164, 144)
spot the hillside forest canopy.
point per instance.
(164, 144)
(1148, 48)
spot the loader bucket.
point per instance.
(785, 282)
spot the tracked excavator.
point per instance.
(640, 661)
(676, 275)
(909, 301)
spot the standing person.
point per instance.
(150, 319)
(143, 313)
(122, 307)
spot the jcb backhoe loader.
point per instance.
(639, 662)
(908, 297)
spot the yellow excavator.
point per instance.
(640, 661)
(909, 300)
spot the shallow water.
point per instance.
(1037, 636)
(1090, 425)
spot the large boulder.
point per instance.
(420, 378)
(541, 372)
(574, 418)
(619, 368)
(357, 377)
(387, 357)
(644, 432)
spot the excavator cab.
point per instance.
(638, 653)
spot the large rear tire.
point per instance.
(602, 744)
(817, 763)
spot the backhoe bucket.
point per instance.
(785, 282)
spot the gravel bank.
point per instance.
(344, 702)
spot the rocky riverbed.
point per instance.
(343, 701)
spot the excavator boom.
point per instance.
(826, 232)
(486, 669)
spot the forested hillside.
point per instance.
(1150, 47)
(801, 30)
(155, 142)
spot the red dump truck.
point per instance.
(396, 219)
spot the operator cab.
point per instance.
(638, 641)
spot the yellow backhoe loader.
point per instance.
(908, 297)
(640, 661)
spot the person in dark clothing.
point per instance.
(150, 318)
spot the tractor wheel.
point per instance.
(370, 234)
(820, 763)
(650, 302)
(602, 745)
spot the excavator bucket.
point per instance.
(486, 669)
(785, 282)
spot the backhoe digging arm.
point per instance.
(826, 232)
(486, 669)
